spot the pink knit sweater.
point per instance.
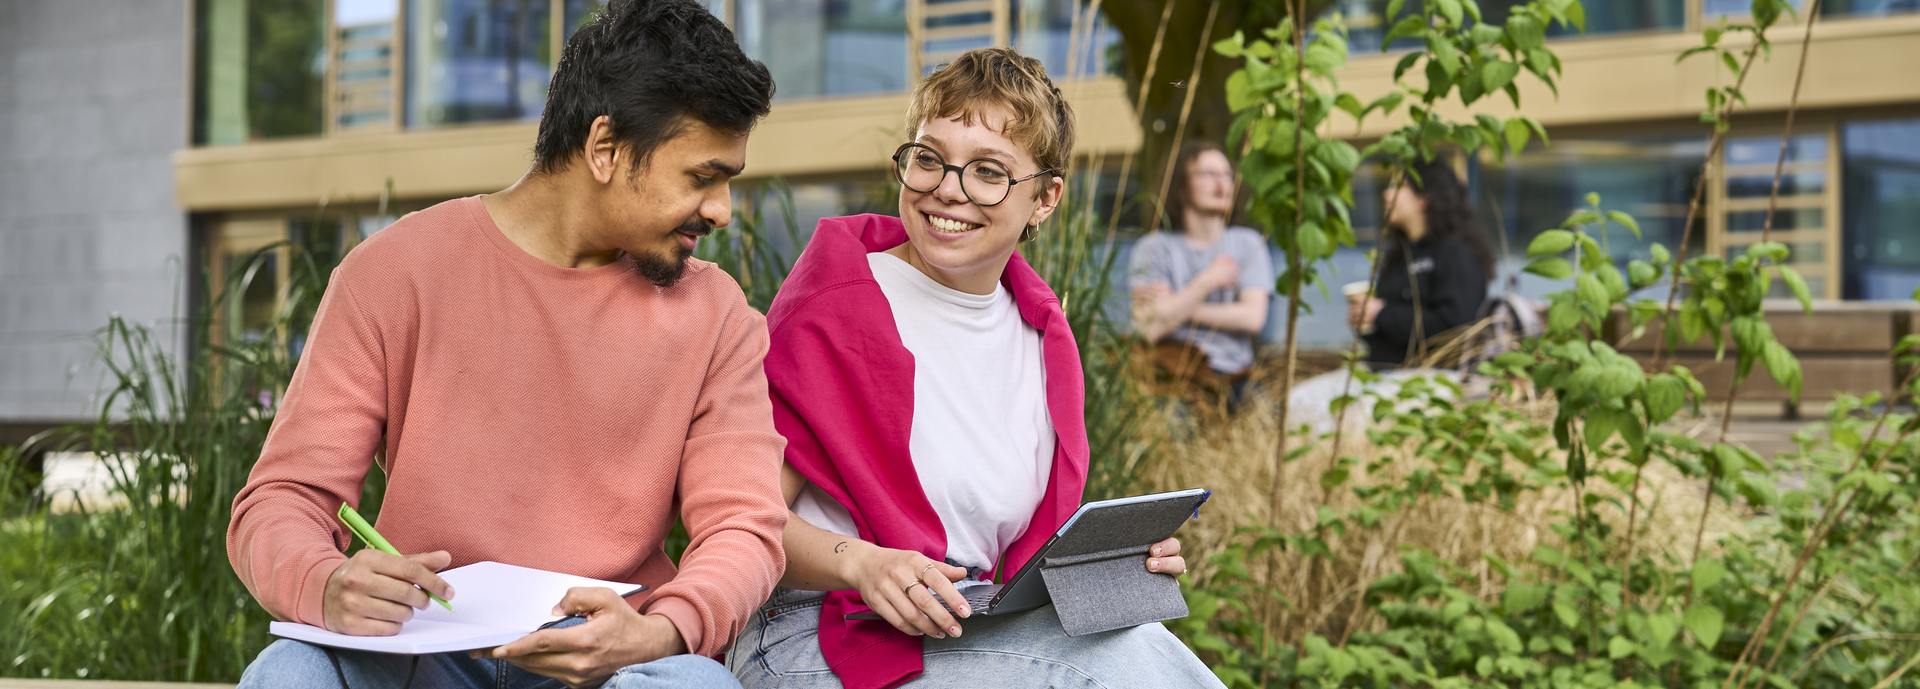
(532, 414)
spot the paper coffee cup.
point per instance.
(1357, 291)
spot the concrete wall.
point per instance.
(93, 100)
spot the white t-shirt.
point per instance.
(981, 439)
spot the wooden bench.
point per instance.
(1844, 347)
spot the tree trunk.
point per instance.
(1137, 21)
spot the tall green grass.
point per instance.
(142, 589)
(1076, 257)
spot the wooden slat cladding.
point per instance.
(1863, 331)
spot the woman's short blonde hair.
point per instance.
(988, 78)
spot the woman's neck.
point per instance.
(1202, 229)
(1414, 228)
(980, 279)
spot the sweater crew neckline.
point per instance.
(483, 223)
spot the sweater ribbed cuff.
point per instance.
(685, 618)
(313, 592)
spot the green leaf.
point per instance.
(1581, 218)
(1444, 53)
(1782, 365)
(1521, 597)
(1577, 15)
(1625, 219)
(1231, 47)
(1340, 663)
(1569, 615)
(1387, 103)
(1618, 647)
(1498, 73)
(1728, 462)
(1313, 241)
(1449, 9)
(1592, 294)
(1616, 287)
(1239, 91)
(1349, 104)
(1393, 8)
(1660, 253)
(1517, 134)
(1706, 622)
(1665, 395)
(1549, 242)
(1527, 33)
(1641, 274)
(1751, 334)
(1662, 628)
(1759, 490)
(1504, 637)
(1551, 268)
(1799, 287)
(1408, 26)
(1707, 574)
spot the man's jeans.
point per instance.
(289, 663)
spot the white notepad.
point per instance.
(494, 604)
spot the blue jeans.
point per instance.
(780, 647)
(289, 663)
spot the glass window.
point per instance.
(1866, 8)
(1652, 178)
(363, 59)
(1880, 189)
(260, 70)
(1367, 25)
(1043, 29)
(832, 48)
(579, 12)
(477, 60)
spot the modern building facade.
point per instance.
(92, 107)
(292, 119)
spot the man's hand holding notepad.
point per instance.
(498, 604)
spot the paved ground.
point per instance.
(1762, 427)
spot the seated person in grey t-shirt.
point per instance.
(1205, 284)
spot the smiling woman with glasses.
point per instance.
(932, 398)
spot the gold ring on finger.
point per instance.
(928, 568)
(909, 587)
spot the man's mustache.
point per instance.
(695, 227)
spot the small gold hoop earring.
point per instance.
(1031, 233)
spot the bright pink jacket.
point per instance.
(842, 389)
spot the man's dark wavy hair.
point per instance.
(651, 66)
(1449, 210)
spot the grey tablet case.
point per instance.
(1095, 568)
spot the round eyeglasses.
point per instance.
(985, 182)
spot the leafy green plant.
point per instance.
(142, 589)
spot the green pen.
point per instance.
(359, 526)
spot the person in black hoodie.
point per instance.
(1433, 254)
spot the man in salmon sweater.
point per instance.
(547, 380)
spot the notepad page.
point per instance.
(491, 594)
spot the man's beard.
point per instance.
(665, 270)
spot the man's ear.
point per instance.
(602, 156)
(1049, 200)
